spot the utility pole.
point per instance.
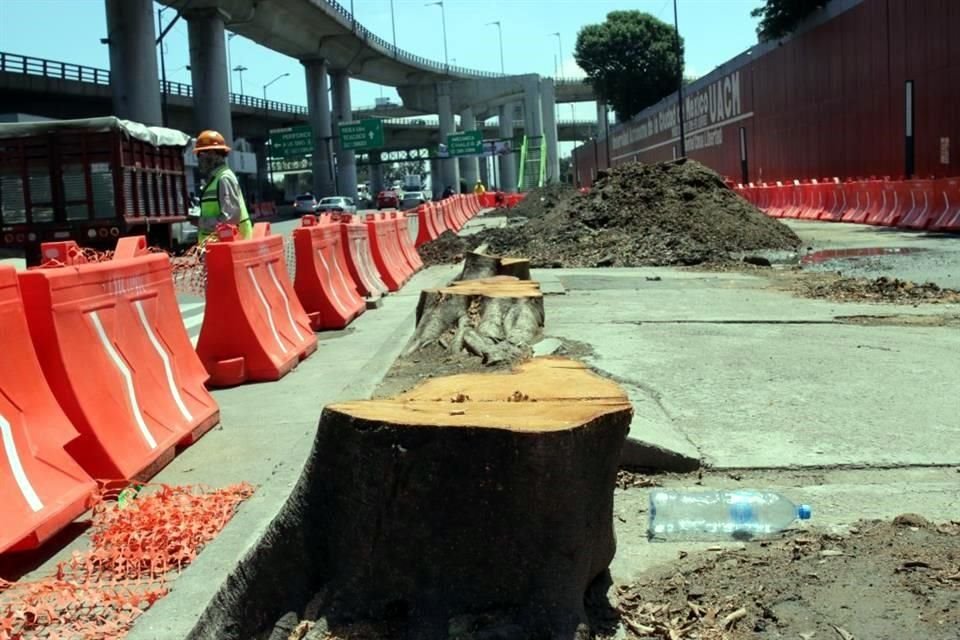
(676, 41)
(240, 69)
(500, 33)
(393, 23)
(266, 124)
(443, 19)
(163, 63)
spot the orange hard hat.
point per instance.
(210, 141)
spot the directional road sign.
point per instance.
(363, 135)
(291, 142)
(465, 143)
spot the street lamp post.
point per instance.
(500, 33)
(240, 69)
(393, 23)
(559, 48)
(676, 42)
(443, 20)
(163, 64)
(266, 123)
(230, 37)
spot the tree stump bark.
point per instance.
(480, 265)
(471, 493)
(497, 319)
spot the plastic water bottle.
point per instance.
(719, 515)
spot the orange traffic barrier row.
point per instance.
(385, 246)
(254, 327)
(922, 204)
(114, 350)
(263, 210)
(329, 296)
(359, 256)
(42, 488)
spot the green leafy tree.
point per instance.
(630, 60)
(780, 17)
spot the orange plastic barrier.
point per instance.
(254, 328)
(449, 218)
(329, 297)
(439, 222)
(390, 263)
(114, 350)
(42, 488)
(426, 229)
(403, 240)
(923, 205)
(949, 218)
(812, 201)
(360, 265)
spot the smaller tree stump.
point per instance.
(469, 494)
(480, 265)
(497, 319)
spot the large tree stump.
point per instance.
(471, 493)
(478, 265)
(497, 319)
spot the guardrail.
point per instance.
(27, 65)
(433, 123)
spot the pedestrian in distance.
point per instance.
(221, 201)
(479, 189)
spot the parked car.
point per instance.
(412, 200)
(336, 204)
(387, 199)
(305, 203)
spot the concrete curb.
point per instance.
(644, 455)
(224, 561)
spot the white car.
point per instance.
(336, 204)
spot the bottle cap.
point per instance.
(804, 512)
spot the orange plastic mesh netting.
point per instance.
(134, 553)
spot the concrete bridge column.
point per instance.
(603, 119)
(376, 179)
(134, 81)
(449, 171)
(548, 104)
(533, 128)
(318, 108)
(208, 71)
(484, 171)
(468, 166)
(508, 166)
(436, 180)
(343, 112)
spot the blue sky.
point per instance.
(714, 30)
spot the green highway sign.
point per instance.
(363, 135)
(465, 143)
(291, 142)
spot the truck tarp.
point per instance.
(157, 136)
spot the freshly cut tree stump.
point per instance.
(497, 319)
(471, 493)
(480, 265)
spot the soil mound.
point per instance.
(447, 248)
(880, 289)
(670, 213)
(541, 201)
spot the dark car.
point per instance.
(388, 199)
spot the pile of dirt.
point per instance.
(880, 289)
(541, 201)
(448, 248)
(670, 213)
(885, 579)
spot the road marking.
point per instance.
(13, 457)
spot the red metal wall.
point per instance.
(828, 102)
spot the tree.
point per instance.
(630, 60)
(780, 17)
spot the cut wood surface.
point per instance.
(476, 492)
(478, 265)
(497, 319)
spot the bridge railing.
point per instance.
(27, 65)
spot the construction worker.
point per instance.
(221, 200)
(479, 189)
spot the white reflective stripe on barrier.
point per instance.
(127, 378)
(343, 280)
(167, 369)
(16, 467)
(266, 309)
(286, 301)
(333, 289)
